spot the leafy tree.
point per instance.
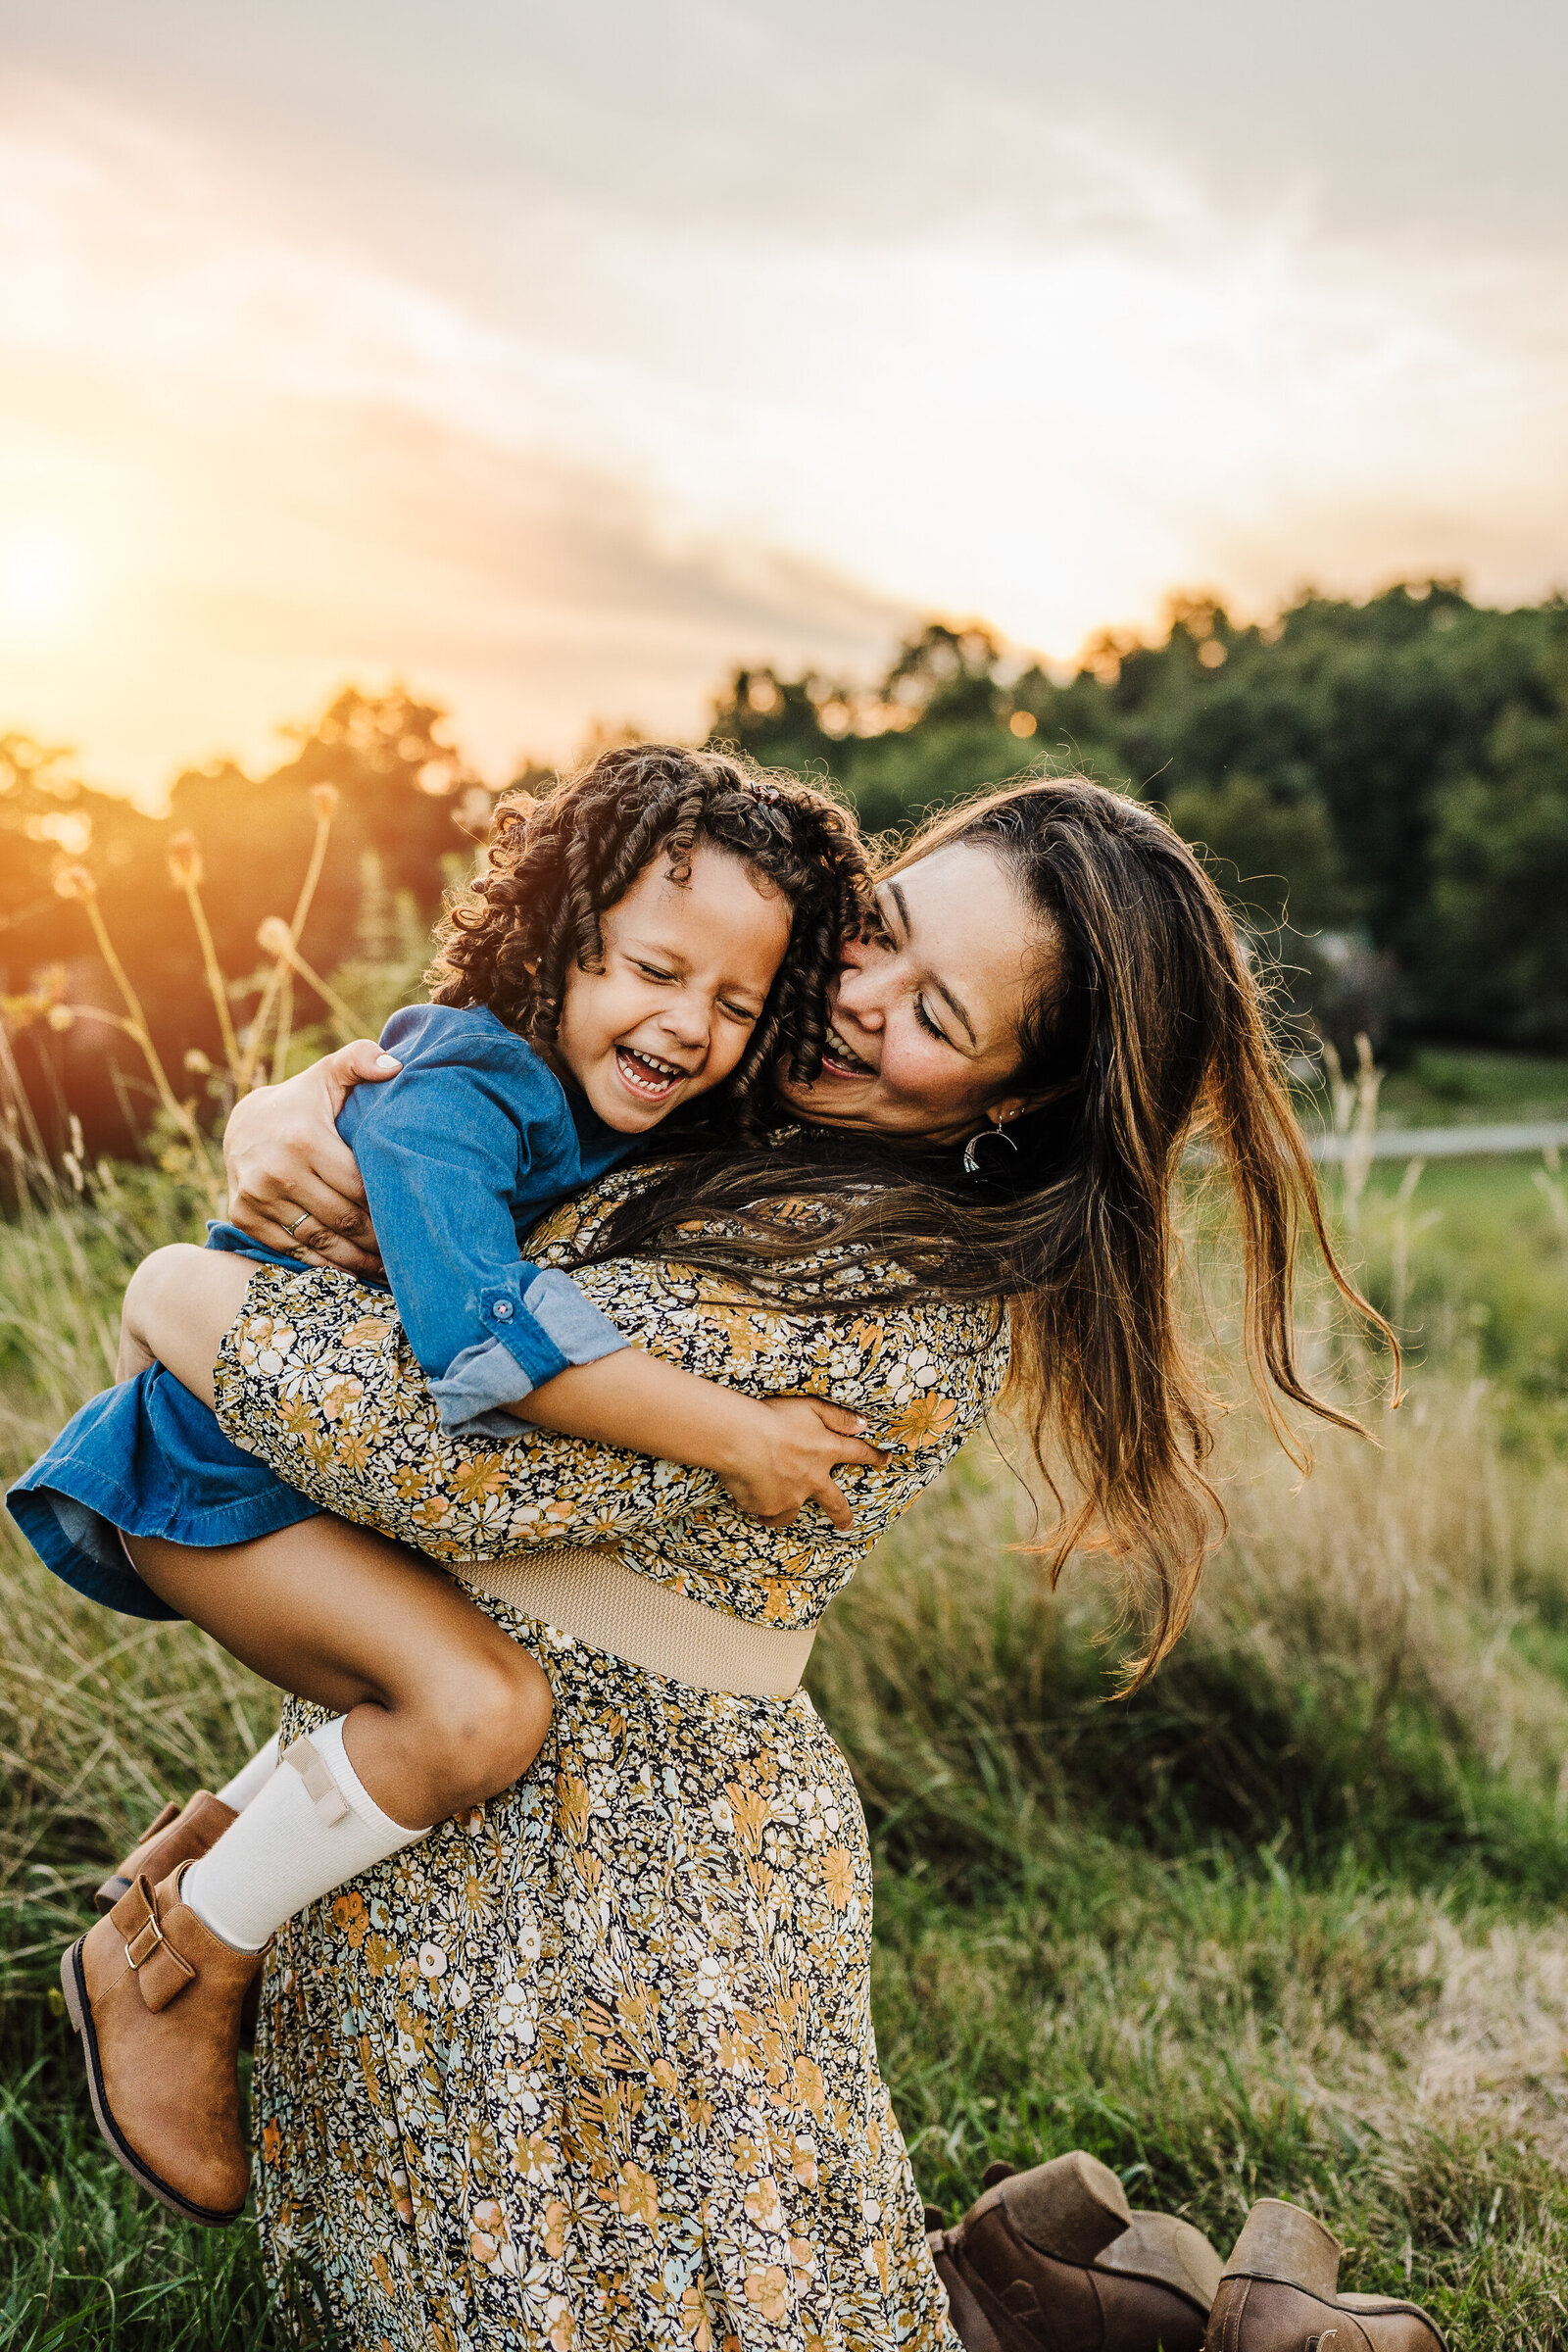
(1275, 853)
(1384, 783)
(407, 804)
(1500, 895)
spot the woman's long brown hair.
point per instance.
(1147, 1030)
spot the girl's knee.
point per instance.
(494, 1717)
(148, 1286)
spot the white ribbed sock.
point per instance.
(251, 1779)
(285, 1850)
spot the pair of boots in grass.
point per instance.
(1055, 2260)
(1049, 2260)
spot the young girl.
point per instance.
(659, 930)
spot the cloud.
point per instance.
(623, 432)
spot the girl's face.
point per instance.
(687, 968)
(924, 1036)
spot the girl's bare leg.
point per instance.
(432, 1708)
(444, 1710)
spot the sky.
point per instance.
(556, 360)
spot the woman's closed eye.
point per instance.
(927, 1023)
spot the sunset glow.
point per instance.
(37, 580)
(553, 448)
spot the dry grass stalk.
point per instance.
(279, 989)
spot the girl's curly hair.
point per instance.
(511, 940)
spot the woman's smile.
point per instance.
(839, 1060)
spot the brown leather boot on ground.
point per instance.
(156, 1997)
(1054, 2260)
(180, 1834)
(1279, 2295)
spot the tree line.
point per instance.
(1382, 788)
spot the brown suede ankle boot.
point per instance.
(1054, 2260)
(156, 1997)
(1279, 2295)
(180, 1834)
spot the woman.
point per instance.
(599, 2066)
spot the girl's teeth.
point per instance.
(646, 1072)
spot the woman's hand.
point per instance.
(802, 1441)
(286, 1162)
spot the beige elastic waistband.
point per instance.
(595, 1596)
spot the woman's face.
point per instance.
(925, 1020)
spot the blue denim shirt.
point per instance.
(461, 1152)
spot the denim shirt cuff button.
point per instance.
(503, 1311)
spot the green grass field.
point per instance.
(1290, 1923)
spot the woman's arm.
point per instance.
(438, 1153)
(283, 1154)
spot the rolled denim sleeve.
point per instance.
(449, 1157)
(541, 1325)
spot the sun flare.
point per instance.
(40, 577)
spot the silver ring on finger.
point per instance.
(302, 1219)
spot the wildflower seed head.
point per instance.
(185, 862)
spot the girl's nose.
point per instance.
(687, 1021)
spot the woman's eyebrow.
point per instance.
(939, 986)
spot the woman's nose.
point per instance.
(861, 986)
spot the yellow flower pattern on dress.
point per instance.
(592, 2068)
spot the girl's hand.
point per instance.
(292, 1180)
(799, 1442)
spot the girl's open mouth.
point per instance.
(648, 1078)
(839, 1062)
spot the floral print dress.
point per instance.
(593, 2067)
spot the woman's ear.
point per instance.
(1013, 1106)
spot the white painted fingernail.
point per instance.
(384, 1062)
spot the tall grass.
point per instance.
(1378, 1660)
(1289, 1923)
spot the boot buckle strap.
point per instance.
(160, 1970)
(154, 1935)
